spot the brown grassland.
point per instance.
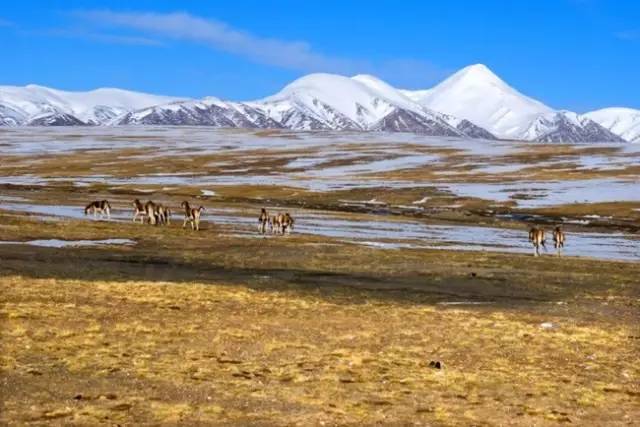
(214, 329)
(224, 327)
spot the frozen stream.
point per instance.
(385, 234)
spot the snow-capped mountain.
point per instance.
(363, 102)
(314, 102)
(473, 102)
(475, 93)
(206, 112)
(624, 122)
(42, 106)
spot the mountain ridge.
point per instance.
(473, 102)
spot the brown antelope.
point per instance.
(101, 207)
(139, 211)
(281, 223)
(263, 219)
(558, 240)
(536, 237)
(191, 215)
(274, 223)
(150, 209)
(287, 223)
(163, 214)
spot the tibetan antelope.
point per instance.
(281, 223)
(536, 237)
(287, 223)
(263, 219)
(150, 210)
(558, 240)
(101, 207)
(139, 211)
(163, 214)
(274, 223)
(191, 215)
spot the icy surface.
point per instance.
(383, 234)
(57, 243)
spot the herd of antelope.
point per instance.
(536, 237)
(280, 223)
(159, 214)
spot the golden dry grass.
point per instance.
(108, 352)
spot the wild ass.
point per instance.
(101, 207)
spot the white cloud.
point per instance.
(293, 55)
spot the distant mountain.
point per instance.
(314, 102)
(475, 93)
(328, 101)
(34, 105)
(206, 112)
(472, 103)
(624, 122)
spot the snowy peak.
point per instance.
(363, 102)
(477, 74)
(624, 122)
(477, 94)
(480, 96)
(473, 102)
(332, 98)
(45, 106)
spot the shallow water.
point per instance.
(380, 233)
(57, 243)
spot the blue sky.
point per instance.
(574, 54)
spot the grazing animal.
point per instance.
(287, 223)
(536, 237)
(281, 223)
(150, 209)
(191, 215)
(101, 207)
(558, 240)
(139, 211)
(263, 219)
(274, 224)
(163, 214)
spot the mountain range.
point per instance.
(472, 102)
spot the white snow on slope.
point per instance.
(624, 122)
(314, 92)
(93, 107)
(477, 94)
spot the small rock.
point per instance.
(473, 274)
(77, 397)
(121, 407)
(435, 364)
(546, 325)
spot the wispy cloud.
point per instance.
(104, 38)
(6, 23)
(296, 55)
(288, 54)
(628, 34)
